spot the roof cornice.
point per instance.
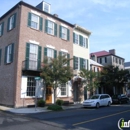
(33, 7)
(81, 29)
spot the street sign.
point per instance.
(37, 78)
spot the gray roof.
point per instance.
(127, 64)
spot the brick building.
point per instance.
(27, 34)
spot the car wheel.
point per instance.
(97, 105)
(109, 104)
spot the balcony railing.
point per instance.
(31, 65)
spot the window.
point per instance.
(0, 55)
(31, 84)
(11, 22)
(66, 56)
(64, 33)
(50, 27)
(1, 28)
(63, 90)
(33, 56)
(34, 21)
(50, 53)
(116, 60)
(75, 38)
(100, 60)
(82, 63)
(113, 59)
(76, 63)
(83, 41)
(120, 61)
(9, 50)
(104, 59)
(46, 8)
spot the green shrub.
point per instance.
(41, 103)
(55, 107)
(59, 102)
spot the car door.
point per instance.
(102, 100)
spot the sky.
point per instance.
(108, 20)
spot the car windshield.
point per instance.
(95, 97)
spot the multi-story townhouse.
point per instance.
(108, 58)
(80, 60)
(96, 67)
(27, 35)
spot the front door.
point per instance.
(49, 95)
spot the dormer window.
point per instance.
(46, 8)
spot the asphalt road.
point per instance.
(104, 118)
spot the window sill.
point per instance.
(35, 29)
(51, 35)
(10, 29)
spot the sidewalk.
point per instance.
(27, 110)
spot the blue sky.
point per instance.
(108, 20)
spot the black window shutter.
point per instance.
(55, 29)
(60, 31)
(39, 57)
(5, 60)
(80, 40)
(46, 25)
(8, 24)
(73, 37)
(105, 59)
(2, 31)
(12, 52)
(29, 19)
(0, 55)
(14, 22)
(100, 60)
(55, 54)
(68, 56)
(27, 55)
(40, 23)
(45, 52)
(74, 62)
(68, 34)
(81, 63)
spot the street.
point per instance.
(104, 118)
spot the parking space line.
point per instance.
(99, 118)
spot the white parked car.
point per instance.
(98, 100)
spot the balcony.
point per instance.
(31, 65)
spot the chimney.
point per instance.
(94, 57)
(112, 51)
(56, 15)
(44, 6)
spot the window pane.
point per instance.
(50, 27)
(76, 38)
(46, 8)
(35, 21)
(64, 33)
(63, 89)
(33, 55)
(31, 84)
(76, 62)
(11, 22)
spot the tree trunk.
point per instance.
(54, 95)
